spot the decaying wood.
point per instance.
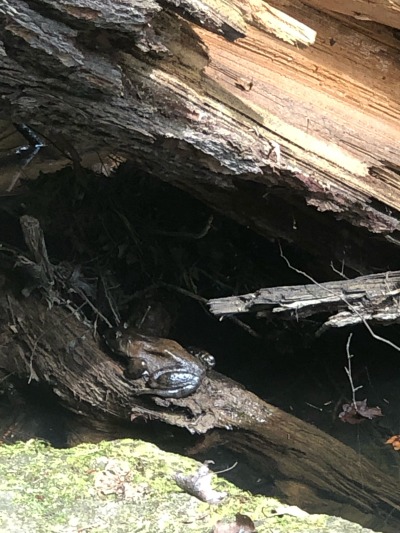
(374, 297)
(383, 11)
(272, 113)
(52, 346)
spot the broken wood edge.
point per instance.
(374, 297)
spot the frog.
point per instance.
(168, 370)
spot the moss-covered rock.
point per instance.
(126, 485)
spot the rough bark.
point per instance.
(52, 346)
(348, 302)
(257, 109)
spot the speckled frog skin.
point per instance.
(168, 369)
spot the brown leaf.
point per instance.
(245, 522)
(357, 412)
(242, 524)
(395, 442)
(199, 485)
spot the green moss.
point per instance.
(48, 490)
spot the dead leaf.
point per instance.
(242, 524)
(199, 485)
(395, 442)
(115, 479)
(357, 412)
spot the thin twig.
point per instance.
(93, 307)
(350, 306)
(228, 469)
(340, 272)
(203, 300)
(377, 337)
(349, 373)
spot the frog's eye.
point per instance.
(207, 359)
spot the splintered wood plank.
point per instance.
(383, 11)
(312, 122)
(276, 22)
(373, 297)
(333, 107)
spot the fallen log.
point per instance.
(170, 89)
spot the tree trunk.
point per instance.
(271, 114)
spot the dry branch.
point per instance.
(374, 297)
